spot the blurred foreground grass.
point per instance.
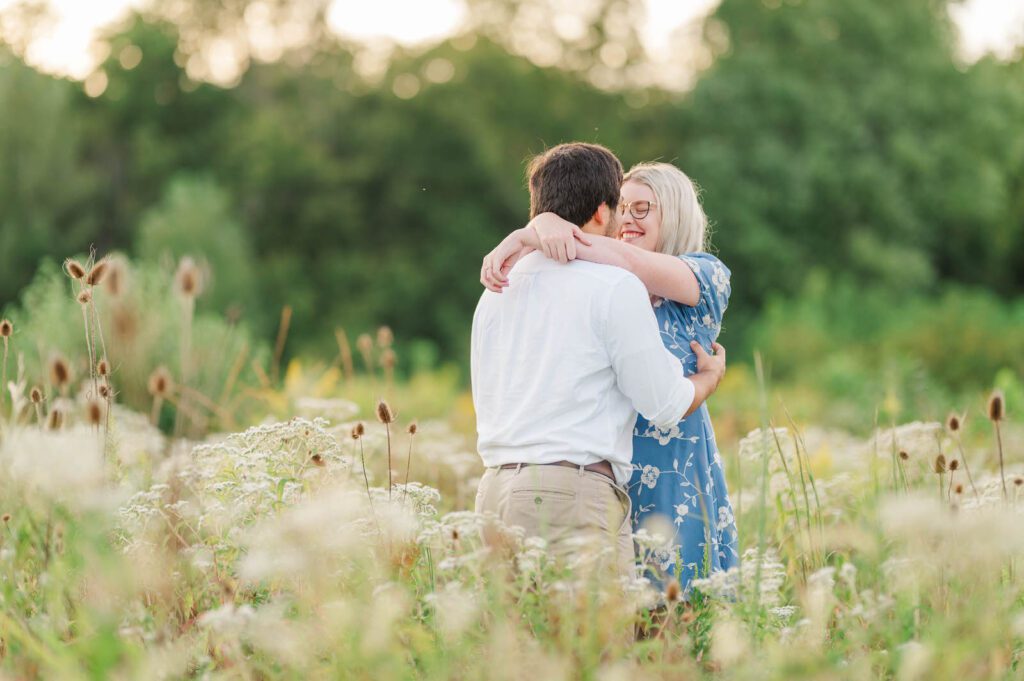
(143, 538)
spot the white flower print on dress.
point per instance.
(725, 518)
(720, 279)
(649, 476)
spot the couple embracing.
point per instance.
(593, 351)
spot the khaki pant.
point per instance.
(571, 508)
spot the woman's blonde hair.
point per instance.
(684, 226)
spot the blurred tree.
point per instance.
(149, 123)
(599, 39)
(46, 191)
(195, 218)
(845, 135)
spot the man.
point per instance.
(561, 363)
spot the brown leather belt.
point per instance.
(602, 467)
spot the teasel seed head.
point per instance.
(940, 464)
(954, 464)
(388, 359)
(455, 534)
(85, 296)
(188, 280)
(384, 337)
(385, 414)
(74, 268)
(97, 273)
(60, 371)
(412, 428)
(94, 412)
(959, 489)
(317, 460)
(103, 368)
(114, 279)
(364, 343)
(105, 391)
(1018, 481)
(903, 455)
(953, 422)
(996, 406)
(673, 592)
(358, 430)
(6, 518)
(6, 328)
(160, 382)
(55, 419)
(35, 395)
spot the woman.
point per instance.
(677, 473)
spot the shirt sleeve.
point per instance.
(646, 372)
(713, 277)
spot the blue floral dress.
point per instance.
(677, 473)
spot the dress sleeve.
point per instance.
(713, 277)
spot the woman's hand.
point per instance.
(497, 263)
(557, 236)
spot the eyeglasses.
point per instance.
(638, 209)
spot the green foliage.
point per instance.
(46, 186)
(195, 219)
(855, 345)
(826, 135)
(142, 329)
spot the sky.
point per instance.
(986, 25)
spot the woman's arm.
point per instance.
(663, 275)
(497, 263)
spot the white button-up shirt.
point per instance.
(563, 359)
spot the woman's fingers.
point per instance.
(570, 249)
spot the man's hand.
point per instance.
(712, 364)
(710, 370)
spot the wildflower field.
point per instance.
(176, 504)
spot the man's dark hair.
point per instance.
(572, 180)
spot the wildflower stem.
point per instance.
(967, 469)
(88, 344)
(387, 427)
(1002, 470)
(3, 385)
(408, 464)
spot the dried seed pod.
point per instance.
(94, 412)
(188, 280)
(74, 268)
(60, 371)
(97, 273)
(160, 383)
(385, 414)
(996, 406)
(55, 419)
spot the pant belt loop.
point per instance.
(519, 466)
